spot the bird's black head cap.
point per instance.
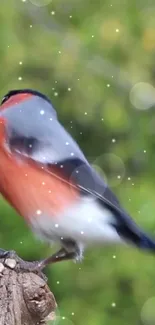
(23, 91)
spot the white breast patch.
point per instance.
(85, 222)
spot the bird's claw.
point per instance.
(21, 265)
(4, 253)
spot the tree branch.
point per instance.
(25, 298)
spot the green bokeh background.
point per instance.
(87, 56)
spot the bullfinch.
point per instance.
(47, 179)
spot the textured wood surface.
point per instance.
(25, 298)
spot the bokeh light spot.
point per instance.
(142, 96)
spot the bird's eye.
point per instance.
(5, 98)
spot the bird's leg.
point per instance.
(38, 266)
(61, 255)
(70, 251)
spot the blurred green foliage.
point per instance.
(87, 56)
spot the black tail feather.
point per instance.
(147, 243)
(137, 237)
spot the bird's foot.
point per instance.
(4, 253)
(12, 260)
(35, 266)
(38, 266)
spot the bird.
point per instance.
(46, 178)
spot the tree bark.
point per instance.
(25, 298)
